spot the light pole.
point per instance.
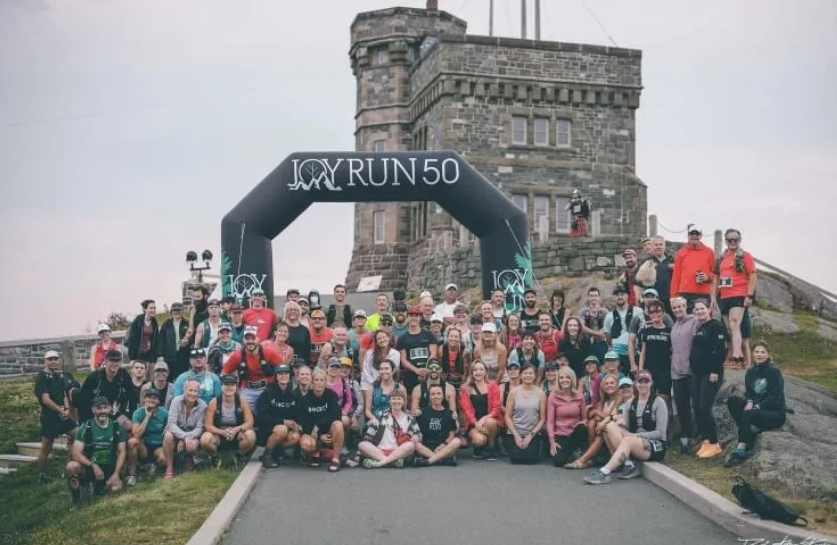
(192, 258)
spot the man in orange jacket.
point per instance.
(693, 266)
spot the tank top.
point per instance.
(100, 353)
(380, 400)
(492, 364)
(479, 402)
(527, 411)
(210, 334)
(228, 419)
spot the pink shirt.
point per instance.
(563, 416)
(345, 403)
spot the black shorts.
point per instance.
(662, 380)
(151, 449)
(658, 450)
(55, 426)
(729, 303)
(89, 476)
(227, 444)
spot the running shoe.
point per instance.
(629, 471)
(711, 450)
(737, 459)
(75, 489)
(421, 462)
(369, 463)
(131, 480)
(702, 448)
(399, 464)
(597, 477)
(354, 461)
(490, 454)
(479, 453)
(269, 460)
(452, 461)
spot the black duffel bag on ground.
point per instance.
(756, 501)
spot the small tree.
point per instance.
(118, 321)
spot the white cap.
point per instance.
(250, 330)
(102, 327)
(437, 318)
(51, 354)
(424, 294)
(451, 286)
(490, 327)
(695, 227)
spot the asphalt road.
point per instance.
(479, 502)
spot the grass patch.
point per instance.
(151, 512)
(821, 515)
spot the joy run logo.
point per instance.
(334, 174)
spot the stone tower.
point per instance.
(385, 45)
(537, 118)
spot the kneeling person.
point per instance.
(146, 442)
(278, 417)
(438, 430)
(98, 453)
(229, 422)
(321, 421)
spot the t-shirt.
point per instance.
(210, 385)
(398, 331)
(373, 322)
(318, 340)
(156, 425)
(657, 347)
(731, 282)
(254, 365)
(530, 323)
(299, 338)
(620, 342)
(436, 426)
(445, 310)
(417, 346)
(54, 384)
(263, 319)
(548, 343)
(99, 442)
(318, 411)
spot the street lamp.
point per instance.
(192, 258)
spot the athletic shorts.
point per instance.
(227, 444)
(729, 303)
(55, 426)
(89, 476)
(151, 449)
(658, 450)
(662, 380)
(387, 451)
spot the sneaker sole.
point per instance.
(630, 476)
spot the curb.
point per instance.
(213, 528)
(725, 513)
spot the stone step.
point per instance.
(6, 471)
(33, 448)
(11, 460)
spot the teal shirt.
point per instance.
(156, 425)
(210, 385)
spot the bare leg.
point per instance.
(371, 451)
(278, 437)
(169, 446)
(493, 428)
(401, 453)
(246, 441)
(478, 439)
(46, 448)
(210, 442)
(445, 452)
(735, 316)
(337, 438)
(630, 447)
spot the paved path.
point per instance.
(486, 503)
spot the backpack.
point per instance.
(616, 330)
(87, 437)
(739, 262)
(244, 372)
(239, 412)
(754, 500)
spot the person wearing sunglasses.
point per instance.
(655, 350)
(299, 337)
(320, 336)
(693, 265)
(733, 291)
(637, 434)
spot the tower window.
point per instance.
(381, 56)
(519, 126)
(522, 201)
(562, 215)
(541, 131)
(378, 226)
(563, 130)
(380, 145)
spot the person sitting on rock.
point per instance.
(146, 441)
(763, 404)
(229, 422)
(643, 437)
(392, 437)
(98, 453)
(438, 430)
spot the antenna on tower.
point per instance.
(523, 19)
(537, 20)
(491, 17)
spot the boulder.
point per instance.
(827, 330)
(774, 322)
(801, 457)
(773, 292)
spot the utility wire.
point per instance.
(666, 229)
(598, 22)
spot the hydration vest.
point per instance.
(523, 361)
(616, 330)
(239, 412)
(243, 369)
(209, 334)
(649, 423)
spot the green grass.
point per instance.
(155, 511)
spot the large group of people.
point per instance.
(416, 384)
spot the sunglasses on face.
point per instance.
(656, 312)
(643, 381)
(387, 323)
(732, 240)
(318, 319)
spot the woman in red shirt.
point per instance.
(480, 401)
(733, 291)
(103, 345)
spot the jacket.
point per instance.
(709, 349)
(765, 386)
(183, 426)
(687, 263)
(375, 431)
(166, 346)
(495, 406)
(331, 314)
(135, 336)
(97, 384)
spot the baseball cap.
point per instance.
(695, 228)
(197, 353)
(229, 379)
(213, 303)
(154, 392)
(433, 365)
(334, 362)
(489, 327)
(346, 361)
(161, 366)
(51, 354)
(236, 307)
(102, 327)
(591, 359)
(302, 300)
(550, 366)
(424, 294)
(619, 288)
(513, 364)
(224, 326)
(114, 355)
(250, 330)
(317, 312)
(386, 318)
(651, 291)
(99, 401)
(643, 375)
(611, 355)
(284, 368)
(360, 313)
(451, 286)
(177, 306)
(625, 381)
(399, 307)
(414, 310)
(437, 318)
(257, 291)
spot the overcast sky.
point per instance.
(128, 129)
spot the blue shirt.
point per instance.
(210, 385)
(156, 425)
(620, 343)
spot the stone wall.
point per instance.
(27, 357)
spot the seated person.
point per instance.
(603, 412)
(638, 433)
(98, 454)
(421, 393)
(482, 406)
(376, 399)
(228, 422)
(566, 418)
(146, 441)
(763, 405)
(525, 418)
(318, 412)
(184, 427)
(391, 438)
(438, 430)
(278, 417)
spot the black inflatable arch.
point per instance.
(440, 176)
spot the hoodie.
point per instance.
(765, 387)
(688, 262)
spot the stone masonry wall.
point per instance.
(27, 357)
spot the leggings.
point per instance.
(683, 391)
(568, 444)
(703, 399)
(763, 419)
(529, 455)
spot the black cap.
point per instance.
(114, 355)
(550, 366)
(399, 295)
(387, 317)
(100, 400)
(197, 353)
(284, 368)
(513, 364)
(154, 392)
(229, 379)
(177, 306)
(619, 288)
(399, 307)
